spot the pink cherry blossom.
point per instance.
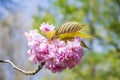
(38, 45)
(46, 27)
(56, 54)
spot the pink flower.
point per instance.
(56, 54)
(38, 46)
(75, 53)
(46, 27)
(63, 55)
(52, 60)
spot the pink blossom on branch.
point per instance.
(56, 54)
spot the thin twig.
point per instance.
(23, 71)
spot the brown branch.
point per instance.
(23, 71)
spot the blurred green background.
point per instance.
(102, 17)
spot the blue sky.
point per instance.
(28, 7)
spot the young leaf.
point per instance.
(74, 34)
(50, 34)
(69, 27)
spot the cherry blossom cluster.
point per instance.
(56, 54)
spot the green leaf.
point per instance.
(74, 34)
(50, 34)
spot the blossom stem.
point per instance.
(23, 71)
